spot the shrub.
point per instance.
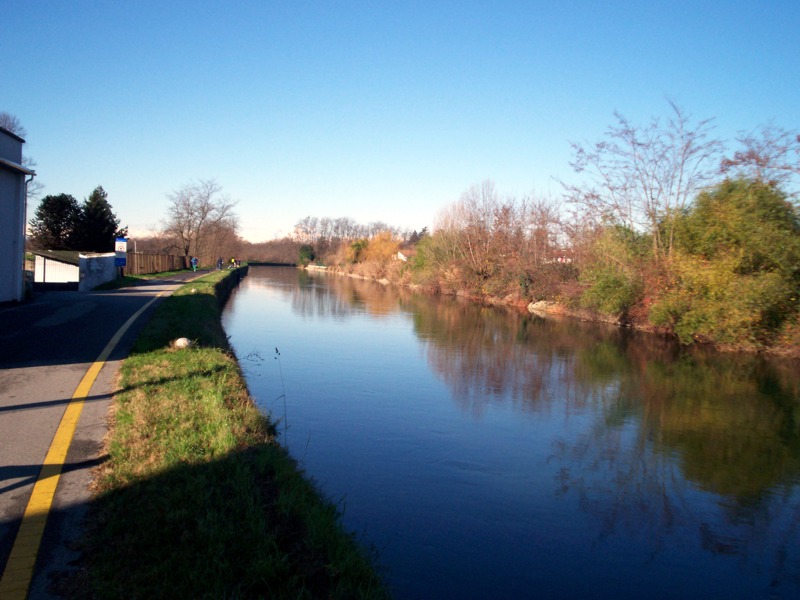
(610, 291)
(546, 281)
(736, 270)
(306, 254)
(382, 248)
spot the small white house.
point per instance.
(13, 192)
(57, 266)
(71, 269)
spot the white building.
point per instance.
(13, 192)
(70, 269)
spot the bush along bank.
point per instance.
(197, 499)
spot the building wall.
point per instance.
(12, 220)
(92, 270)
(10, 146)
(96, 270)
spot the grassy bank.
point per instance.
(197, 500)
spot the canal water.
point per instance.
(489, 454)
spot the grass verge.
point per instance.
(197, 500)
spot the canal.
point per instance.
(488, 454)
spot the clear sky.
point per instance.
(377, 111)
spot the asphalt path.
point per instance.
(46, 347)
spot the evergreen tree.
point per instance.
(55, 223)
(98, 226)
(60, 223)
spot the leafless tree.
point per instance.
(345, 228)
(643, 177)
(474, 215)
(199, 216)
(327, 235)
(284, 250)
(543, 224)
(770, 154)
(306, 230)
(11, 123)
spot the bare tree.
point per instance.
(643, 177)
(199, 217)
(475, 213)
(11, 123)
(306, 230)
(543, 226)
(770, 154)
(345, 228)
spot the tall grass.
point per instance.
(197, 500)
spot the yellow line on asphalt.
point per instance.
(18, 573)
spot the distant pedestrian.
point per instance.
(194, 263)
(219, 264)
(233, 263)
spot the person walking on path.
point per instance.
(194, 263)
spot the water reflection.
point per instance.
(666, 449)
(315, 294)
(733, 421)
(729, 424)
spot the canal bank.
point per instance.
(564, 308)
(196, 498)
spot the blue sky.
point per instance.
(378, 111)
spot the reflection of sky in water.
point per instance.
(487, 455)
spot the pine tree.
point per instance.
(98, 226)
(55, 223)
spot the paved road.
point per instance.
(46, 347)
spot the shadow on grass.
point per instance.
(247, 525)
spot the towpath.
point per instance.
(53, 399)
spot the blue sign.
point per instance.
(121, 250)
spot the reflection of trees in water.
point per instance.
(726, 424)
(632, 488)
(732, 422)
(316, 294)
(673, 431)
(486, 354)
(471, 348)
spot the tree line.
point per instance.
(61, 223)
(661, 227)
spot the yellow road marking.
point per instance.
(18, 573)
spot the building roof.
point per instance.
(12, 134)
(71, 257)
(15, 167)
